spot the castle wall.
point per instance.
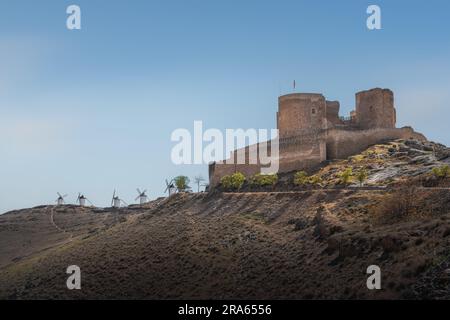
(333, 112)
(295, 153)
(341, 144)
(375, 109)
(245, 160)
(303, 151)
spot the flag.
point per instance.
(294, 84)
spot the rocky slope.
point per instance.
(289, 243)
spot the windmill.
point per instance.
(142, 196)
(60, 200)
(82, 200)
(115, 201)
(170, 187)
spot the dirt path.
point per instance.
(52, 221)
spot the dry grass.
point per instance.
(243, 246)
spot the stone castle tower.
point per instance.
(300, 112)
(375, 109)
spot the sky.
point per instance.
(92, 110)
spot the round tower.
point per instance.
(299, 112)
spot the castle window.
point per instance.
(313, 111)
(371, 108)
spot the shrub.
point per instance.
(264, 179)
(234, 181)
(361, 176)
(300, 178)
(441, 172)
(346, 176)
(357, 158)
(315, 179)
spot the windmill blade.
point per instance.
(89, 202)
(143, 192)
(124, 202)
(59, 194)
(137, 197)
(139, 191)
(64, 196)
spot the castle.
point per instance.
(311, 132)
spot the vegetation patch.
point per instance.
(263, 179)
(233, 182)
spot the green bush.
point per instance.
(346, 176)
(300, 178)
(441, 172)
(264, 179)
(234, 181)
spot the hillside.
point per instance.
(285, 242)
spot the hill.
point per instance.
(285, 242)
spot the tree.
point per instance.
(361, 176)
(198, 180)
(182, 183)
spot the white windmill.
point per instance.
(60, 200)
(116, 201)
(81, 200)
(170, 187)
(142, 196)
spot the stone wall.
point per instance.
(341, 144)
(295, 153)
(333, 112)
(303, 151)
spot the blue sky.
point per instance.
(92, 110)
